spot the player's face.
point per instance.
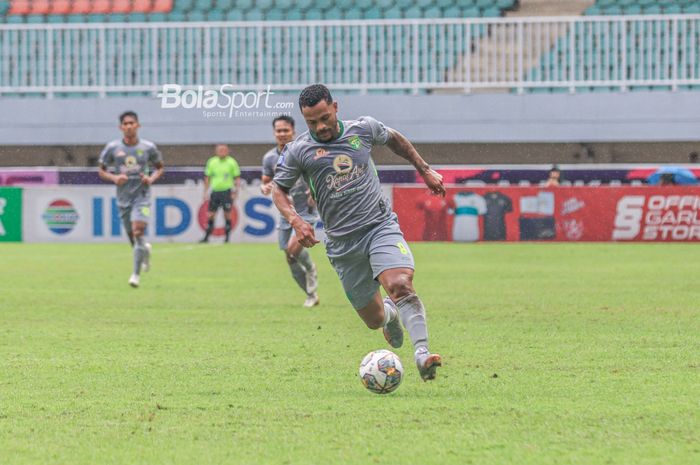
(322, 120)
(221, 151)
(284, 132)
(130, 127)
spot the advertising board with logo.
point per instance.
(10, 214)
(178, 214)
(556, 214)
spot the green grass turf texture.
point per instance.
(553, 354)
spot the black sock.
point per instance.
(228, 228)
(210, 228)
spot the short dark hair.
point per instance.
(286, 118)
(555, 169)
(314, 94)
(128, 113)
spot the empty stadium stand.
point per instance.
(73, 11)
(645, 56)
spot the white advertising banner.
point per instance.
(178, 214)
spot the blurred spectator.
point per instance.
(693, 157)
(667, 179)
(554, 178)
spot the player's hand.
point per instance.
(433, 180)
(266, 189)
(120, 179)
(146, 179)
(304, 232)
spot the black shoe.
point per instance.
(226, 239)
(204, 241)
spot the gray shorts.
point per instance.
(138, 210)
(360, 258)
(285, 231)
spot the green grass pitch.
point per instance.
(554, 354)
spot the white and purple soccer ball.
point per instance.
(381, 371)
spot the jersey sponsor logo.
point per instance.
(60, 216)
(342, 164)
(355, 142)
(320, 153)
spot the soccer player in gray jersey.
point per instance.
(364, 242)
(129, 163)
(298, 258)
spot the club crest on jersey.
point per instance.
(130, 161)
(342, 164)
(354, 142)
(320, 153)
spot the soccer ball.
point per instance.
(381, 371)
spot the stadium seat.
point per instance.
(20, 7)
(162, 6)
(40, 7)
(121, 6)
(141, 6)
(101, 7)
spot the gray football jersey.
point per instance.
(341, 175)
(299, 192)
(132, 160)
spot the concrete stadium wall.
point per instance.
(477, 128)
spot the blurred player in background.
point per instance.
(365, 244)
(223, 175)
(298, 258)
(129, 164)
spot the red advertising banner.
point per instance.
(495, 213)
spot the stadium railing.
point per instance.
(561, 53)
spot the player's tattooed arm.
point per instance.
(402, 147)
(303, 230)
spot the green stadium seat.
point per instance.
(374, 13)
(216, 15)
(432, 12)
(393, 13)
(413, 13)
(35, 19)
(77, 18)
(363, 4)
(471, 12)
(632, 10)
(136, 17)
(673, 10)
(15, 19)
(234, 15)
(183, 5)
(491, 13)
(452, 12)
(275, 14)
(333, 14)
(176, 16)
(611, 10)
(313, 14)
(157, 17)
(4, 6)
(253, 15)
(353, 13)
(295, 15)
(58, 19)
(652, 10)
